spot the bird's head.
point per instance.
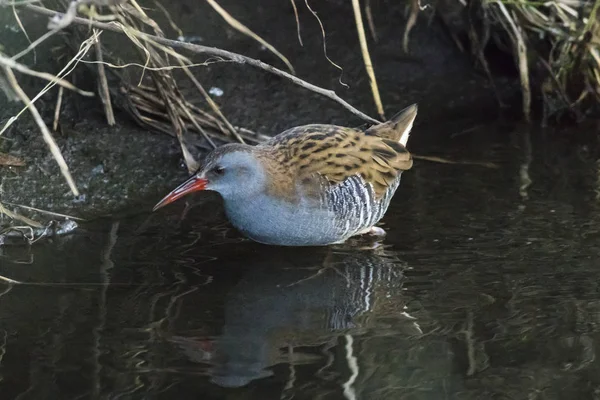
(233, 170)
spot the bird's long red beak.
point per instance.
(193, 184)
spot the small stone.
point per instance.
(80, 199)
(215, 91)
(97, 170)
(67, 226)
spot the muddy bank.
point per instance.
(125, 168)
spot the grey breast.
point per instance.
(342, 211)
(354, 204)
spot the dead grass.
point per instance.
(555, 45)
(570, 28)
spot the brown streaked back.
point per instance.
(308, 154)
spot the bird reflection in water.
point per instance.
(283, 313)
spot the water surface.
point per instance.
(485, 288)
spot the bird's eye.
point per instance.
(218, 170)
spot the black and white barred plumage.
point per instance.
(355, 206)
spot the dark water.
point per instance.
(486, 287)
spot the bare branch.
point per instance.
(64, 169)
(42, 75)
(199, 49)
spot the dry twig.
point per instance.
(55, 214)
(57, 108)
(68, 68)
(442, 160)
(103, 85)
(246, 31)
(521, 52)
(199, 49)
(297, 21)
(10, 63)
(212, 104)
(64, 169)
(19, 217)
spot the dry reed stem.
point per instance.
(10, 95)
(477, 51)
(19, 217)
(55, 214)
(142, 99)
(297, 21)
(9, 281)
(164, 82)
(177, 123)
(183, 107)
(183, 61)
(362, 37)
(442, 160)
(178, 126)
(412, 20)
(370, 21)
(561, 91)
(212, 104)
(10, 63)
(18, 19)
(68, 68)
(199, 49)
(57, 108)
(169, 18)
(34, 44)
(571, 28)
(103, 85)
(64, 169)
(521, 50)
(246, 31)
